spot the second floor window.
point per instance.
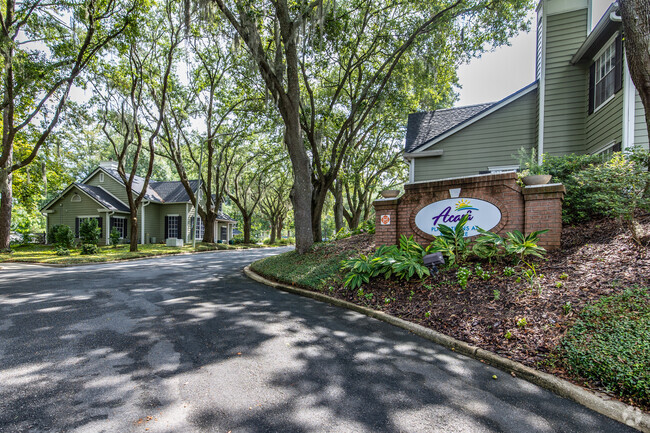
(606, 74)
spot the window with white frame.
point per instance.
(101, 177)
(172, 223)
(200, 228)
(605, 75)
(119, 224)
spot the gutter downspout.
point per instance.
(144, 204)
(542, 91)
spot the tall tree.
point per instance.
(220, 94)
(636, 25)
(129, 118)
(275, 202)
(42, 59)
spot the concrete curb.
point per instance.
(621, 412)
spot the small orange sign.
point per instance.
(385, 220)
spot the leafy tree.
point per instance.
(134, 100)
(89, 231)
(275, 201)
(42, 59)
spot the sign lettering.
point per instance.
(479, 213)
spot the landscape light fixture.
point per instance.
(432, 261)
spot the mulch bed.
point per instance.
(598, 258)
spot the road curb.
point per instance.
(621, 412)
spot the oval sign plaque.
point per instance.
(481, 214)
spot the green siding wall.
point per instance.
(490, 141)
(565, 106)
(69, 210)
(605, 124)
(174, 209)
(111, 185)
(153, 227)
(640, 128)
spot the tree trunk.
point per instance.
(133, 244)
(5, 208)
(272, 234)
(247, 228)
(338, 205)
(278, 228)
(319, 194)
(208, 223)
(636, 24)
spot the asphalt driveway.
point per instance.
(187, 343)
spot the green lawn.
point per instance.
(316, 269)
(47, 254)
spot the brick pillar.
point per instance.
(543, 210)
(386, 234)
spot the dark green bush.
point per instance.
(115, 237)
(578, 204)
(89, 249)
(610, 343)
(61, 236)
(89, 231)
(60, 251)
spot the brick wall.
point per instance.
(524, 209)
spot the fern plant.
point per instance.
(451, 242)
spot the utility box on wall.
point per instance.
(493, 202)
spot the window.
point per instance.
(609, 149)
(101, 177)
(172, 226)
(200, 228)
(119, 223)
(76, 198)
(606, 74)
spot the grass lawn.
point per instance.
(47, 254)
(315, 270)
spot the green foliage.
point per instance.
(578, 206)
(564, 276)
(610, 343)
(451, 242)
(522, 322)
(567, 307)
(115, 237)
(482, 273)
(508, 335)
(496, 294)
(404, 262)
(89, 231)
(487, 245)
(61, 236)
(462, 276)
(508, 271)
(619, 187)
(60, 251)
(89, 249)
(528, 162)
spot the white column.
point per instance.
(142, 239)
(629, 96)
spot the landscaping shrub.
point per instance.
(451, 242)
(60, 251)
(619, 187)
(578, 204)
(610, 343)
(89, 231)
(61, 236)
(115, 237)
(89, 249)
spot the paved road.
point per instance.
(184, 344)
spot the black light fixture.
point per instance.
(432, 261)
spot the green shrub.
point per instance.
(237, 239)
(451, 242)
(528, 162)
(89, 231)
(619, 187)
(610, 343)
(61, 236)
(115, 237)
(578, 204)
(60, 251)
(89, 249)
(488, 245)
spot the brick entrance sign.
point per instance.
(492, 202)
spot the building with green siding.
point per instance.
(165, 212)
(582, 101)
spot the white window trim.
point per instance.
(117, 218)
(608, 44)
(503, 168)
(72, 199)
(605, 148)
(101, 177)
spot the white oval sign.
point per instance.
(480, 213)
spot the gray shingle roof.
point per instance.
(138, 182)
(173, 191)
(102, 197)
(224, 217)
(427, 125)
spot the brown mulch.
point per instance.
(598, 258)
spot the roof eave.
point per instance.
(604, 30)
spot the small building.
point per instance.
(165, 212)
(582, 101)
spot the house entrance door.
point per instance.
(224, 234)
